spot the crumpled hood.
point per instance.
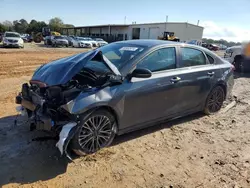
(62, 70)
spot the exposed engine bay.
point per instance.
(43, 103)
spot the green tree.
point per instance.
(36, 26)
(8, 24)
(3, 28)
(56, 24)
(68, 25)
(221, 41)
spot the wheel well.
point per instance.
(237, 56)
(224, 87)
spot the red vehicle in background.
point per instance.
(213, 47)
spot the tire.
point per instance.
(238, 63)
(89, 139)
(214, 100)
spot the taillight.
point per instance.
(232, 68)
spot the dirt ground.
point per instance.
(196, 151)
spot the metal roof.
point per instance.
(127, 25)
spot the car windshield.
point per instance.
(12, 35)
(118, 54)
(80, 38)
(59, 37)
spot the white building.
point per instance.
(184, 31)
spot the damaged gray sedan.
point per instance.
(90, 97)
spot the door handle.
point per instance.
(175, 79)
(210, 73)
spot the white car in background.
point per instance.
(234, 55)
(81, 42)
(100, 42)
(12, 39)
(94, 43)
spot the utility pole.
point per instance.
(166, 23)
(125, 20)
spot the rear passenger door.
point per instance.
(196, 74)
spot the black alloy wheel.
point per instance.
(96, 132)
(214, 100)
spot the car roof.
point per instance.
(147, 42)
(12, 32)
(152, 43)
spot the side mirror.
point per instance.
(141, 73)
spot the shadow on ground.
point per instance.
(154, 128)
(241, 75)
(25, 161)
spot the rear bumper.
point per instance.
(230, 85)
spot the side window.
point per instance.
(192, 57)
(162, 59)
(210, 59)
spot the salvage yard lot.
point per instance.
(195, 151)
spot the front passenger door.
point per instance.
(150, 99)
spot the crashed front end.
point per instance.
(53, 100)
(44, 107)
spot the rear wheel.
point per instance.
(96, 132)
(214, 100)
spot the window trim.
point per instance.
(208, 59)
(180, 56)
(159, 48)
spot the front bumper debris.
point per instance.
(61, 145)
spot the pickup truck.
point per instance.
(234, 55)
(239, 56)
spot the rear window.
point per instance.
(192, 57)
(210, 59)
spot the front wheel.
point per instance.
(94, 133)
(214, 100)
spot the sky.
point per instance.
(221, 19)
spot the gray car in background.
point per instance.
(59, 41)
(90, 97)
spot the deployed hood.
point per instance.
(62, 70)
